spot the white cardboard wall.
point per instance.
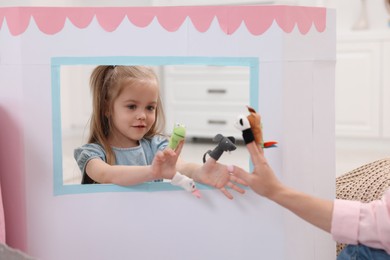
(296, 101)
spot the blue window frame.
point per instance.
(57, 62)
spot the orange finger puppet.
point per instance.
(256, 126)
(255, 123)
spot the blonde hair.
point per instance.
(107, 82)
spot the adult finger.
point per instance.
(255, 153)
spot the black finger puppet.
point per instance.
(242, 123)
(225, 144)
(251, 128)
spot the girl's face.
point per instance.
(133, 114)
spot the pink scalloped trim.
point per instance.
(257, 19)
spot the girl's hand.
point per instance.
(164, 163)
(217, 175)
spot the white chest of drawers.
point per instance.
(207, 99)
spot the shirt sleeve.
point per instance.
(159, 143)
(355, 222)
(87, 152)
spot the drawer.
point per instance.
(210, 91)
(206, 83)
(200, 125)
(205, 71)
(204, 122)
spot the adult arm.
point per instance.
(264, 182)
(365, 223)
(349, 222)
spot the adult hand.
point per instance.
(262, 180)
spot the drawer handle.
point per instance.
(216, 91)
(216, 122)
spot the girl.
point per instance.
(125, 146)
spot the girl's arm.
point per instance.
(163, 166)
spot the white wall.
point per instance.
(348, 12)
(299, 87)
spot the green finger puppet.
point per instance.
(178, 134)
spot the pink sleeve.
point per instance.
(366, 223)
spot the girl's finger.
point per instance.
(179, 147)
(238, 180)
(168, 152)
(159, 156)
(236, 188)
(226, 193)
(241, 174)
